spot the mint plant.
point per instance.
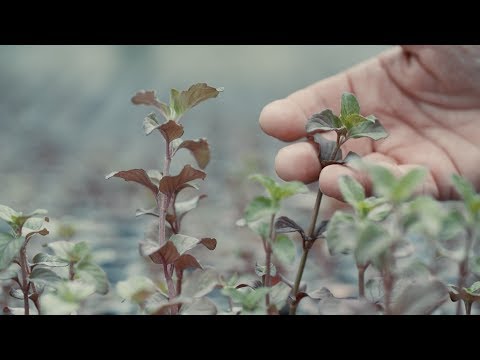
(260, 216)
(55, 283)
(349, 124)
(165, 244)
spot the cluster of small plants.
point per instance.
(402, 245)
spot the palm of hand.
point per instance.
(427, 99)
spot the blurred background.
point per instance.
(66, 121)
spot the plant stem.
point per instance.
(387, 289)
(171, 287)
(361, 280)
(468, 307)
(463, 266)
(298, 279)
(71, 271)
(25, 282)
(311, 231)
(268, 250)
(35, 297)
(162, 199)
(179, 283)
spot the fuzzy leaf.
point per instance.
(286, 225)
(152, 212)
(9, 273)
(44, 276)
(186, 261)
(9, 248)
(199, 149)
(349, 105)
(67, 298)
(261, 270)
(147, 97)
(259, 208)
(34, 225)
(278, 191)
(49, 260)
(182, 101)
(321, 228)
(199, 283)
(183, 207)
(136, 289)
(463, 187)
(170, 184)
(284, 249)
(93, 274)
(136, 175)
(351, 189)
(324, 121)
(8, 214)
(420, 299)
(368, 129)
(372, 243)
(201, 306)
(405, 187)
(69, 251)
(341, 233)
(150, 123)
(383, 180)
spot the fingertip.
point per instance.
(298, 162)
(283, 120)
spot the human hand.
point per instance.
(426, 97)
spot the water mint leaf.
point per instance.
(324, 121)
(171, 184)
(368, 129)
(199, 149)
(284, 249)
(405, 187)
(351, 189)
(259, 208)
(341, 233)
(286, 225)
(147, 97)
(136, 175)
(9, 248)
(349, 105)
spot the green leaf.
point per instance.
(34, 225)
(420, 299)
(200, 283)
(383, 180)
(351, 190)
(93, 274)
(181, 102)
(405, 187)
(183, 243)
(150, 123)
(324, 121)
(368, 129)
(49, 260)
(136, 289)
(463, 187)
(349, 105)
(261, 270)
(284, 249)
(260, 227)
(9, 248)
(8, 214)
(474, 289)
(202, 306)
(67, 298)
(9, 273)
(340, 233)
(183, 207)
(279, 294)
(44, 276)
(70, 252)
(259, 208)
(254, 297)
(372, 243)
(353, 120)
(278, 191)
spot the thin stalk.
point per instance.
(468, 307)
(25, 282)
(298, 279)
(71, 271)
(307, 245)
(171, 287)
(361, 280)
(179, 283)
(35, 297)
(162, 199)
(387, 289)
(463, 269)
(268, 250)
